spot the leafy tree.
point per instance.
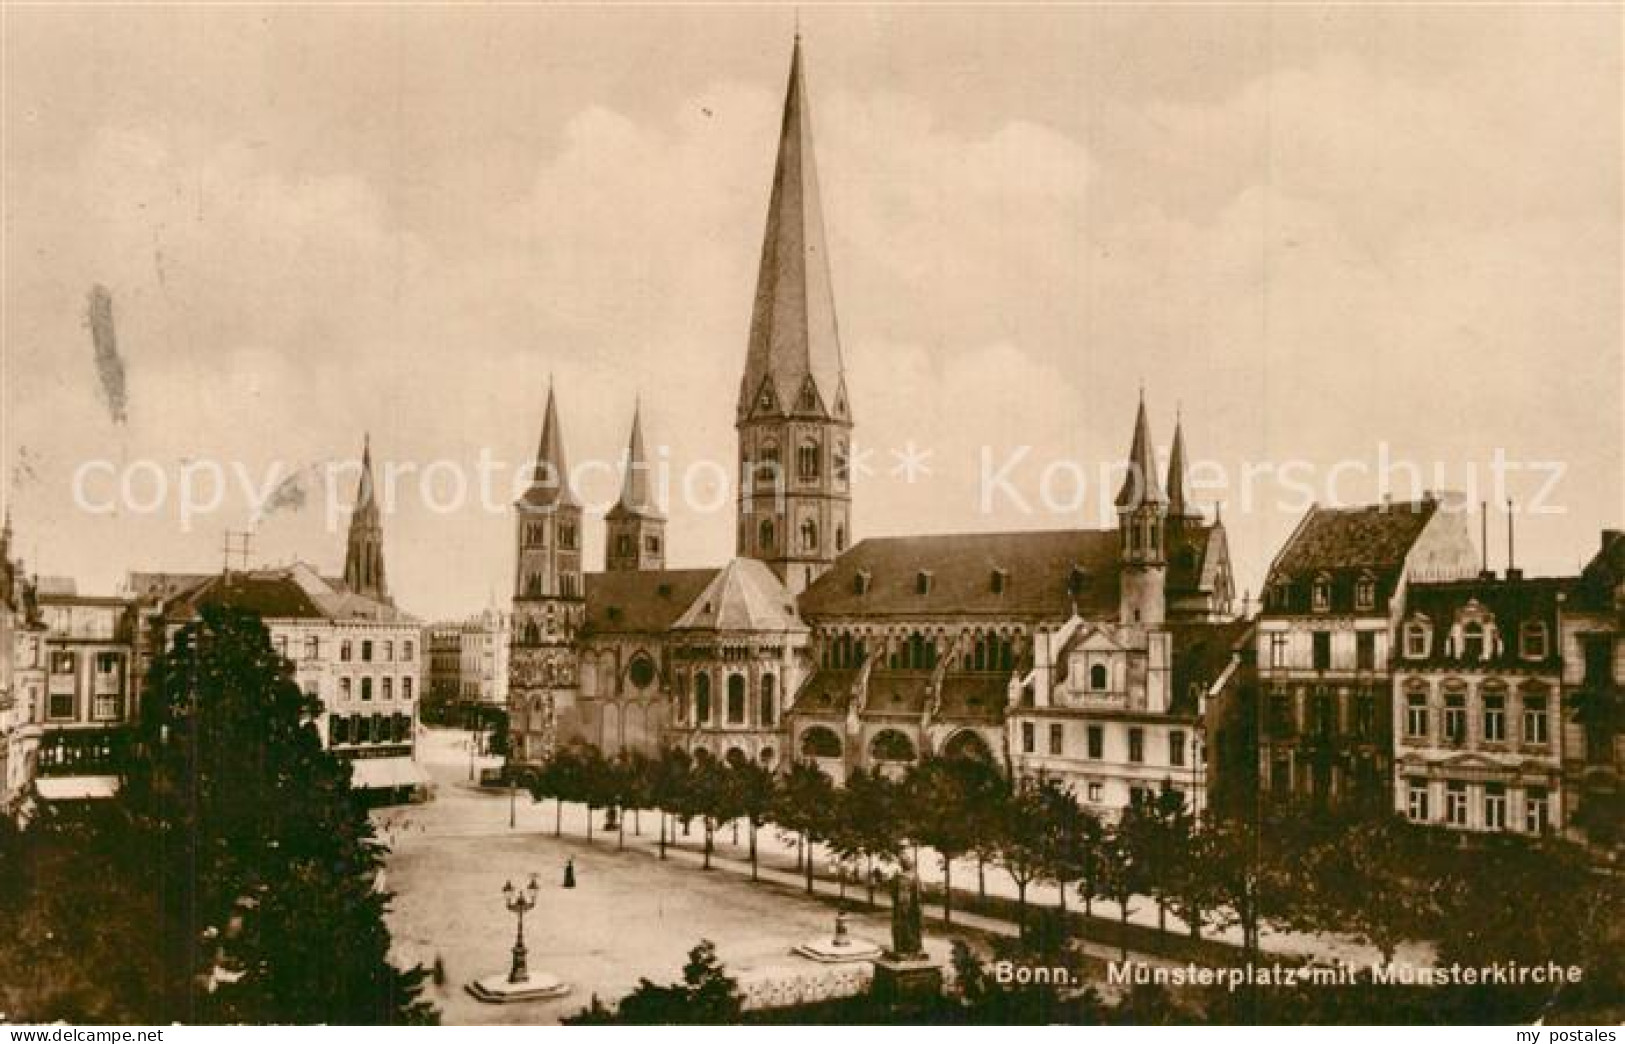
(261, 864)
(751, 788)
(1021, 838)
(1122, 875)
(937, 794)
(711, 797)
(868, 822)
(669, 785)
(706, 996)
(803, 806)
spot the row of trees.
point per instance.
(1371, 876)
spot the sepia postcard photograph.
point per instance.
(925, 515)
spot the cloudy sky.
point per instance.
(1326, 235)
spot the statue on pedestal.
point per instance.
(906, 916)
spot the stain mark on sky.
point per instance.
(109, 366)
(289, 495)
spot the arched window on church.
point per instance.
(764, 534)
(623, 544)
(840, 538)
(809, 535)
(767, 463)
(842, 467)
(533, 634)
(807, 460)
(533, 585)
(736, 699)
(770, 706)
(702, 699)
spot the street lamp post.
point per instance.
(520, 901)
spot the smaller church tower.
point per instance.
(1142, 510)
(1181, 512)
(636, 530)
(364, 553)
(548, 601)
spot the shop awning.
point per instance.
(386, 773)
(76, 788)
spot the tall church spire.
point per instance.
(794, 358)
(550, 479)
(794, 423)
(1179, 506)
(635, 498)
(1140, 485)
(364, 551)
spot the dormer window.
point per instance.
(861, 580)
(1099, 678)
(1076, 580)
(1472, 641)
(1533, 641)
(922, 582)
(1365, 592)
(1416, 640)
(1001, 579)
(1321, 593)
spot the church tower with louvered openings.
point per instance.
(794, 419)
(1142, 512)
(364, 550)
(548, 601)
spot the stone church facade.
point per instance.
(811, 645)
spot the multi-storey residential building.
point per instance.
(1477, 704)
(1592, 636)
(90, 699)
(443, 672)
(357, 655)
(1332, 600)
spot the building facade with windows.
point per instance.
(358, 656)
(1332, 601)
(1478, 704)
(1592, 636)
(90, 699)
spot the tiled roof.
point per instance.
(1202, 651)
(828, 691)
(1037, 580)
(1194, 550)
(974, 695)
(289, 593)
(746, 595)
(1347, 544)
(1604, 575)
(641, 602)
(1511, 603)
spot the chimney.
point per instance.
(1513, 572)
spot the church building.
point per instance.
(854, 653)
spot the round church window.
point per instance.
(641, 672)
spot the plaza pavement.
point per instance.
(633, 915)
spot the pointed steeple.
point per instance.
(635, 499)
(550, 479)
(793, 362)
(1140, 485)
(1179, 506)
(364, 550)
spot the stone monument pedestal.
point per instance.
(839, 948)
(904, 981)
(501, 989)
